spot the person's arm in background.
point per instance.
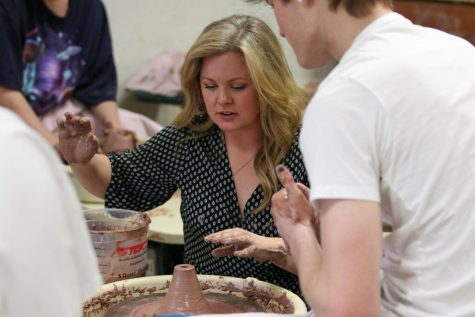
(12, 40)
(97, 88)
(340, 276)
(107, 112)
(116, 138)
(15, 101)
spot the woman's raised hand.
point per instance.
(77, 143)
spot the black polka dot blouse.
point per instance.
(147, 177)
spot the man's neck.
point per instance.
(349, 27)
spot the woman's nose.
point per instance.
(224, 97)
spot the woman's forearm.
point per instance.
(95, 175)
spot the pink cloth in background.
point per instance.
(160, 76)
(143, 127)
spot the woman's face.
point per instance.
(231, 100)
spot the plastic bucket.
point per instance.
(120, 240)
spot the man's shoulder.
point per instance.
(14, 130)
(9, 121)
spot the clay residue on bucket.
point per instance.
(106, 223)
(120, 241)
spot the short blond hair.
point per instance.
(356, 8)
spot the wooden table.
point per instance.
(167, 226)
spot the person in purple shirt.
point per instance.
(56, 56)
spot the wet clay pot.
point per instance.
(184, 295)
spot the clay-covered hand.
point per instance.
(291, 207)
(245, 244)
(118, 140)
(77, 143)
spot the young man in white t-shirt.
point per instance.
(47, 263)
(389, 134)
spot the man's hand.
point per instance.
(77, 143)
(291, 207)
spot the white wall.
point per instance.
(142, 28)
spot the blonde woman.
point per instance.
(241, 118)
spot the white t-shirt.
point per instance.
(394, 123)
(47, 263)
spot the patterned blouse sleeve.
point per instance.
(145, 178)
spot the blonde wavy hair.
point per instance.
(281, 99)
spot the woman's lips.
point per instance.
(227, 115)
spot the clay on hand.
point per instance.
(292, 210)
(77, 143)
(118, 140)
(292, 201)
(244, 244)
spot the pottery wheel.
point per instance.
(185, 295)
(149, 305)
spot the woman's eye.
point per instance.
(209, 86)
(238, 87)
